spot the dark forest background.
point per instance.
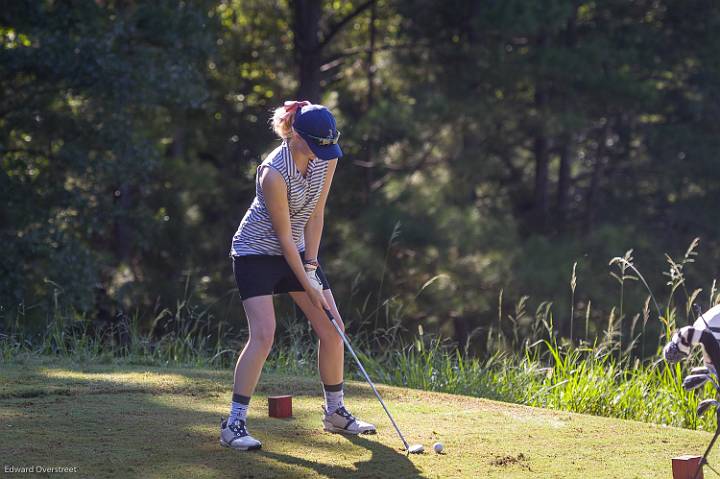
(489, 146)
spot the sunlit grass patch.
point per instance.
(173, 432)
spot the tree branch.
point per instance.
(332, 60)
(334, 29)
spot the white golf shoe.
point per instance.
(343, 422)
(236, 436)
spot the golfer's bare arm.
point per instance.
(314, 226)
(275, 192)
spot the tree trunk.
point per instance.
(369, 176)
(308, 52)
(540, 150)
(121, 238)
(370, 59)
(460, 326)
(563, 186)
(597, 173)
(566, 140)
(541, 183)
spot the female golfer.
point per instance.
(275, 251)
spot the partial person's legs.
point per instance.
(331, 350)
(261, 323)
(330, 363)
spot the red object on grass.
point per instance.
(280, 406)
(684, 467)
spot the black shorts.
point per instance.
(260, 275)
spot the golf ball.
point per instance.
(438, 447)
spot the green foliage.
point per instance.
(528, 361)
(86, 94)
(489, 146)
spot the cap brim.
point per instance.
(327, 152)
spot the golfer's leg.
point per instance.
(261, 321)
(330, 362)
(331, 350)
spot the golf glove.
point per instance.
(311, 272)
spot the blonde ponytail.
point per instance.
(282, 123)
(284, 116)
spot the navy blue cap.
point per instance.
(316, 125)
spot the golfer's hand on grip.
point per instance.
(312, 276)
(318, 299)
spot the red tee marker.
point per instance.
(684, 467)
(280, 406)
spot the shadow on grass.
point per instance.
(384, 462)
(118, 429)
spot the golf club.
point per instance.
(409, 449)
(694, 381)
(713, 379)
(705, 404)
(703, 460)
(700, 370)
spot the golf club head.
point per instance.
(415, 449)
(710, 371)
(694, 381)
(706, 404)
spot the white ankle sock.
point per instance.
(238, 408)
(237, 411)
(333, 399)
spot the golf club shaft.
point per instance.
(367, 378)
(707, 464)
(703, 461)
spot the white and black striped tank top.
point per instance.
(256, 235)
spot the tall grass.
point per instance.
(526, 361)
(587, 380)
